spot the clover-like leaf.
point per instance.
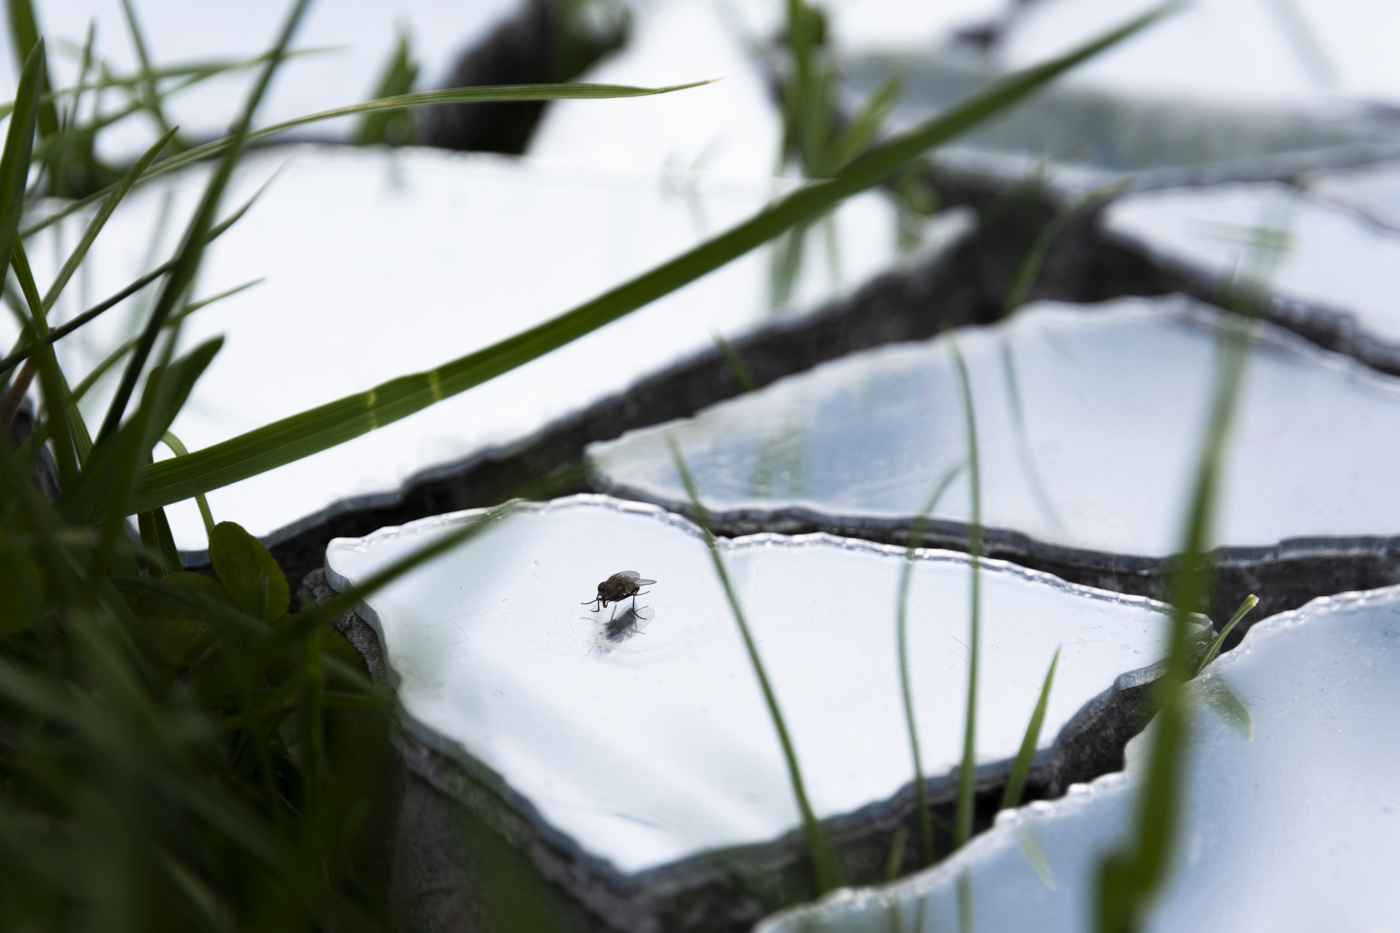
(249, 572)
(179, 638)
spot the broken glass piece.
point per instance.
(1310, 248)
(1295, 827)
(1089, 420)
(1304, 54)
(1076, 138)
(653, 747)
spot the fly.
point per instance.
(618, 587)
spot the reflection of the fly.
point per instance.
(623, 625)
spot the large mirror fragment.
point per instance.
(637, 747)
(1288, 824)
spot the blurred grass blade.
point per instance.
(326, 426)
(378, 127)
(191, 252)
(1023, 437)
(967, 773)
(894, 861)
(736, 365)
(825, 867)
(106, 305)
(860, 132)
(99, 220)
(1130, 874)
(115, 356)
(25, 38)
(196, 70)
(177, 447)
(520, 92)
(1029, 267)
(146, 89)
(1249, 603)
(966, 923)
(1021, 767)
(906, 574)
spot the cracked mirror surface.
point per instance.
(647, 749)
(1088, 418)
(1291, 818)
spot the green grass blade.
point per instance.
(967, 774)
(191, 251)
(906, 573)
(159, 543)
(1021, 767)
(19, 146)
(825, 867)
(320, 428)
(1249, 603)
(467, 95)
(146, 88)
(67, 450)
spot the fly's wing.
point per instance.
(640, 582)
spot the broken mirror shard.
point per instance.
(1291, 818)
(1076, 138)
(1306, 55)
(654, 748)
(1334, 267)
(370, 265)
(1089, 419)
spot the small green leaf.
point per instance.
(336, 645)
(21, 590)
(1029, 844)
(1226, 704)
(178, 637)
(248, 571)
